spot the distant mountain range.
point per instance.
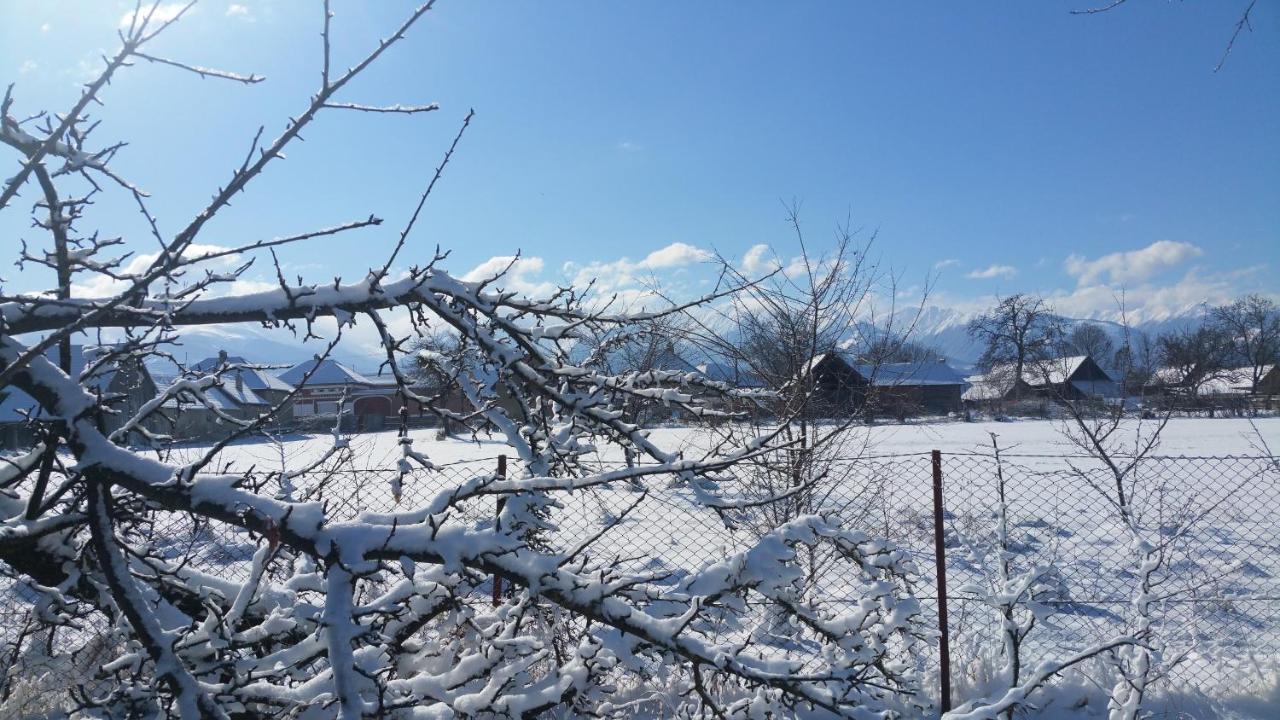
(262, 345)
(945, 329)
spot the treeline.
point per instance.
(1239, 341)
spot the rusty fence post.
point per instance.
(940, 558)
(497, 518)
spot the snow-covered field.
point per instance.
(1224, 569)
(1221, 605)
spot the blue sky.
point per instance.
(1006, 146)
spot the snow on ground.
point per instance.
(1229, 562)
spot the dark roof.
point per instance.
(251, 378)
(909, 374)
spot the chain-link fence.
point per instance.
(1215, 520)
(1213, 523)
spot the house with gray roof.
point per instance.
(374, 401)
(246, 392)
(123, 383)
(1076, 377)
(898, 389)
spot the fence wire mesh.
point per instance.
(1217, 520)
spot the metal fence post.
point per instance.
(497, 518)
(940, 559)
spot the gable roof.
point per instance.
(329, 372)
(1054, 371)
(910, 374)
(251, 378)
(1235, 381)
(985, 387)
(902, 374)
(1040, 374)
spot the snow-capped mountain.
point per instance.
(260, 345)
(947, 329)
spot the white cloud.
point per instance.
(236, 10)
(97, 286)
(623, 273)
(245, 287)
(994, 271)
(628, 146)
(27, 66)
(676, 254)
(1132, 266)
(943, 264)
(162, 14)
(521, 274)
(1135, 304)
(46, 28)
(1151, 301)
(759, 260)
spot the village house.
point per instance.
(1229, 390)
(1064, 379)
(245, 393)
(374, 402)
(124, 385)
(899, 389)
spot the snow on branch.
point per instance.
(349, 613)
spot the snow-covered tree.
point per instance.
(386, 614)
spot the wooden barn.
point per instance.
(1072, 378)
(898, 389)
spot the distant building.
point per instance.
(245, 394)
(1269, 383)
(373, 401)
(124, 386)
(1077, 377)
(899, 389)
(934, 388)
(1231, 389)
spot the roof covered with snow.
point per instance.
(910, 374)
(329, 372)
(1236, 381)
(252, 378)
(985, 387)
(902, 374)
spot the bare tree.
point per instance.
(643, 350)
(387, 614)
(1136, 361)
(787, 336)
(892, 349)
(1019, 331)
(1194, 356)
(1252, 326)
(1090, 339)
(1243, 23)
